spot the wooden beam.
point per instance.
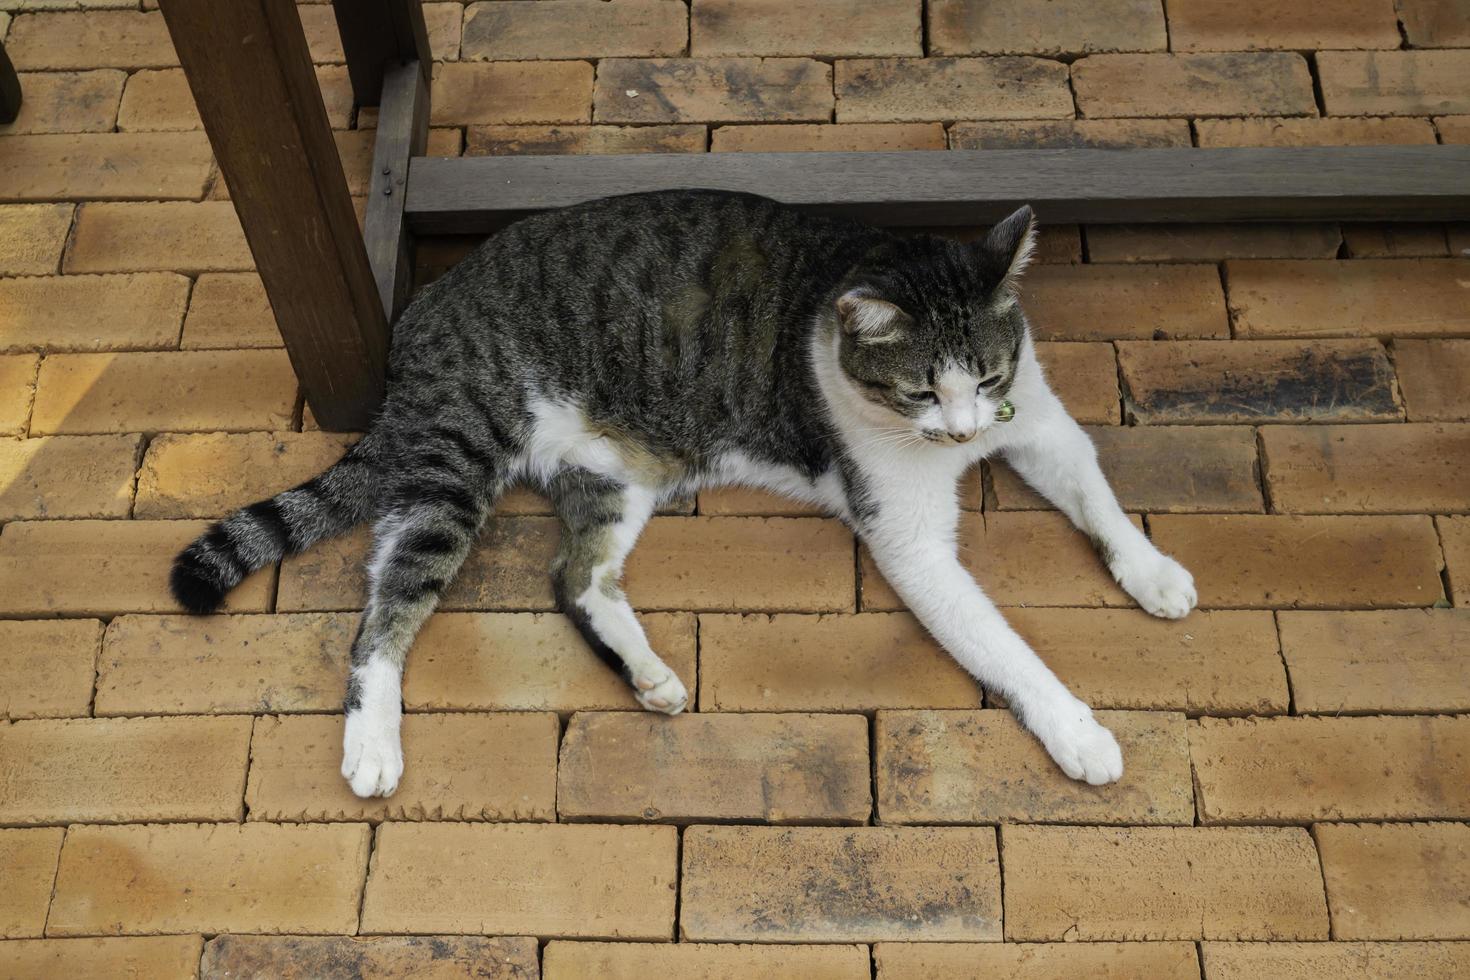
(963, 187)
(377, 33)
(403, 132)
(248, 67)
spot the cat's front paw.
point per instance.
(1081, 747)
(1161, 585)
(665, 694)
(372, 755)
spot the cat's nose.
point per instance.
(964, 435)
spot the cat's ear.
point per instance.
(869, 319)
(1010, 245)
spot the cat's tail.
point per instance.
(265, 532)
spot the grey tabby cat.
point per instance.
(629, 350)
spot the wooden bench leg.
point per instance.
(9, 89)
(250, 72)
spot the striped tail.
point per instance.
(265, 532)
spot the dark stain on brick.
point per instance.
(352, 958)
(1318, 384)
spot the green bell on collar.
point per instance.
(1005, 412)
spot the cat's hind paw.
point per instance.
(665, 694)
(1161, 585)
(372, 756)
(1082, 748)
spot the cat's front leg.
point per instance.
(927, 574)
(1059, 461)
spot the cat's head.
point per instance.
(931, 330)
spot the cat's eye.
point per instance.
(989, 382)
(921, 396)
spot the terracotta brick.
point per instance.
(67, 102)
(169, 878)
(1020, 559)
(1211, 242)
(1084, 377)
(1214, 25)
(1290, 770)
(825, 28)
(1087, 302)
(1335, 961)
(1220, 662)
(508, 570)
(1282, 561)
(1376, 469)
(1435, 23)
(1379, 297)
(229, 309)
(511, 29)
(171, 391)
(1095, 134)
(553, 880)
(516, 140)
(120, 769)
(1453, 129)
(101, 568)
(179, 236)
(47, 668)
(740, 564)
(1394, 240)
(172, 665)
(116, 166)
(702, 961)
(1257, 381)
(833, 884)
(422, 957)
(512, 92)
(749, 502)
(324, 38)
(1431, 376)
(459, 767)
(134, 956)
(786, 768)
(867, 661)
(1397, 881)
(1273, 83)
(528, 662)
(1037, 961)
(17, 390)
(61, 313)
(712, 90)
(67, 476)
(1132, 883)
(158, 100)
(95, 39)
(32, 237)
(1364, 662)
(1394, 83)
(336, 89)
(355, 148)
(1314, 131)
(983, 767)
(1068, 27)
(1454, 533)
(29, 859)
(920, 89)
(1159, 469)
(213, 474)
(805, 137)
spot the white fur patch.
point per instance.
(372, 751)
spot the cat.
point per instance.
(632, 349)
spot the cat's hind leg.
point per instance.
(600, 522)
(418, 548)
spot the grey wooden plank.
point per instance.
(403, 132)
(251, 76)
(939, 187)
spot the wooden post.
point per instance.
(403, 133)
(379, 33)
(249, 69)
